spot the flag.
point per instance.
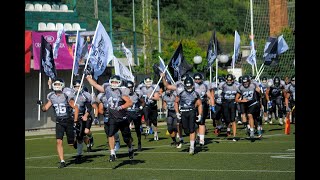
(162, 66)
(127, 52)
(178, 66)
(56, 44)
(212, 51)
(270, 51)
(101, 51)
(282, 45)
(251, 59)
(77, 53)
(85, 51)
(236, 48)
(121, 70)
(47, 61)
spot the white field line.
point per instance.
(124, 150)
(53, 136)
(163, 169)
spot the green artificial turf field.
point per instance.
(272, 157)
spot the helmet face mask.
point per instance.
(115, 81)
(276, 81)
(76, 85)
(188, 84)
(198, 77)
(292, 81)
(246, 81)
(229, 79)
(130, 84)
(58, 85)
(183, 77)
(148, 81)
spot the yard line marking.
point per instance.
(48, 137)
(163, 169)
(106, 152)
(284, 156)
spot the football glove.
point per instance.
(77, 126)
(119, 108)
(269, 104)
(213, 109)
(288, 109)
(39, 102)
(198, 118)
(178, 115)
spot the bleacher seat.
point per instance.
(29, 7)
(76, 26)
(46, 7)
(64, 7)
(55, 7)
(42, 26)
(67, 27)
(51, 26)
(59, 26)
(38, 7)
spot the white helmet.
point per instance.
(148, 81)
(115, 81)
(58, 85)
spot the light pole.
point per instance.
(197, 60)
(222, 58)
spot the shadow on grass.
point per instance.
(128, 162)
(276, 129)
(84, 159)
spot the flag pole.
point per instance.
(85, 66)
(210, 81)
(251, 21)
(165, 69)
(39, 93)
(74, 58)
(168, 73)
(234, 52)
(217, 72)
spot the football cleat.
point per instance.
(112, 157)
(62, 165)
(139, 147)
(131, 154)
(91, 142)
(191, 151)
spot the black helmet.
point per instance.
(198, 76)
(229, 79)
(264, 79)
(188, 84)
(292, 80)
(240, 79)
(246, 81)
(76, 84)
(276, 81)
(221, 79)
(148, 81)
(184, 76)
(117, 79)
(130, 84)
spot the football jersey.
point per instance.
(188, 99)
(169, 99)
(60, 103)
